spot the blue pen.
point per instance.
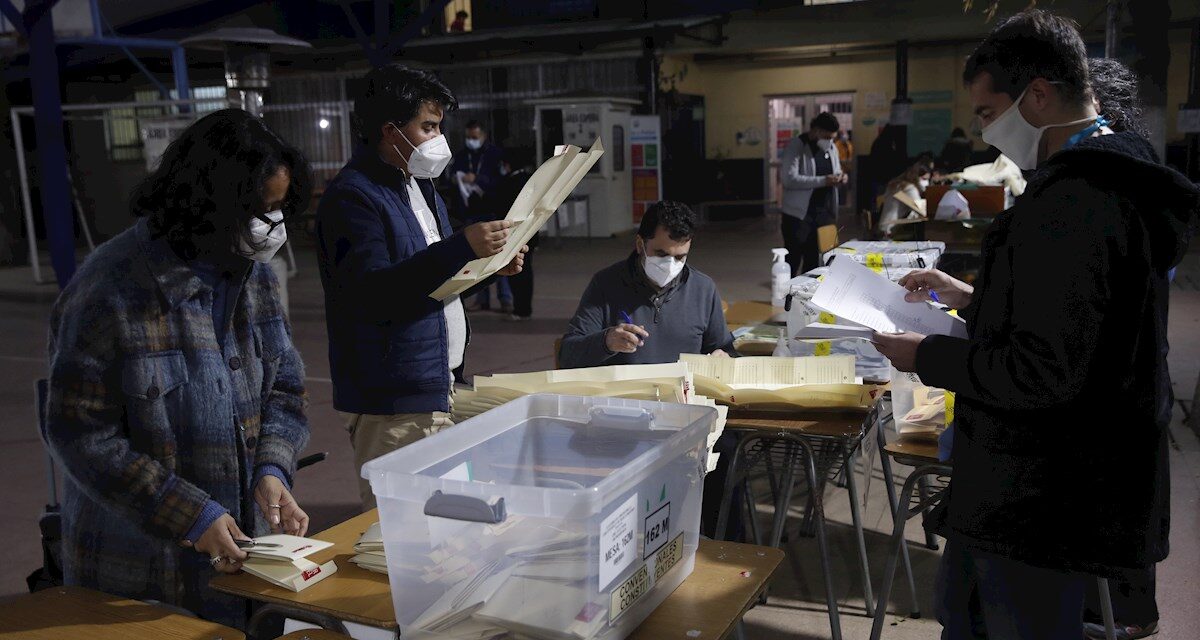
(625, 318)
(933, 296)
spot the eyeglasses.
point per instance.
(271, 224)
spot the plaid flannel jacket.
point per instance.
(149, 418)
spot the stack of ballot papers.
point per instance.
(852, 291)
(283, 560)
(541, 196)
(768, 382)
(885, 255)
(669, 382)
(369, 550)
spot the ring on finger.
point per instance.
(274, 506)
(216, 560)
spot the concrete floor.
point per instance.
(736, 254)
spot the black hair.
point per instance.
(461, 14)
(394, 93)
(1116, 89)
(1032, 44)
(825, 121)
(475, 124)
(209, 184)
(677, 218)
(958, 133)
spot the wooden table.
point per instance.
(314, 634)
(74, 612)
(749, 313)
(712, 600)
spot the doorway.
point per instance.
(788, 116)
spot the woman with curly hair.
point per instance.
(176, 404)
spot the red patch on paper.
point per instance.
(308, 575)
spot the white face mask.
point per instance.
(825, 145)
(923, 183)
(269, 239)
(662, 269)
(1012, 134)
(474, 144)
(428, 160)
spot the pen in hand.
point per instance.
(625, 318)
(933, 296)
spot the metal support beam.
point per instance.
(413, 29)
(382, 24)
(13, 15)
(374, 56)
(901, 104)
(51, 146)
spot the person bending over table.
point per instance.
(176, 403)
(648, 309)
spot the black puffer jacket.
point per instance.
(1063, 395)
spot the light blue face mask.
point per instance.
(1100, 123)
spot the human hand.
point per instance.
(720, 353)
(899, 348)
(625, 338)
(515, 265)
(833, 179)
(488, 238)
(218, 543)
(951, 292)
(468, 178)
(279, 507)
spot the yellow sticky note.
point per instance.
(876, 269)
(875, 260)
(822, 348)
(827, 318)
(949, 408)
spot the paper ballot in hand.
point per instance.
(855, 292)
(546, 189)
(287, 564)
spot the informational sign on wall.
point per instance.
(645, 145)
(157, 134)
(929, 130)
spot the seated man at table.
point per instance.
(648, 309)
(651, 306)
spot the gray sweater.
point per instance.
(685, 317)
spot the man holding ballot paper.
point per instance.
(384, 244)
(1062, 391)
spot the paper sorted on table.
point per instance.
(287, 566)
(541, 196)
(854, 292)
(821, 382)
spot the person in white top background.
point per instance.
(384, 244)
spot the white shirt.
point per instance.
(456, 317)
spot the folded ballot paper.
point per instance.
(546, 189)
(368, 551)
(767, 382)
(287, 564)
(856, 293)
(668, 382)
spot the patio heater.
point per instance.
(247, 60)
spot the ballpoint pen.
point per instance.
(933, 296)
(625, 318)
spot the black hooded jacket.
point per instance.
(1063, 396)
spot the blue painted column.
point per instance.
(51, 146)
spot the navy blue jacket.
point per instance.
(388, 341)
(484, 163)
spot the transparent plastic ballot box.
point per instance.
(557, 517)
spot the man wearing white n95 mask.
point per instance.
(651, 306)
(384, 244)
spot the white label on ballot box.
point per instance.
(658, 528)
(618, 541)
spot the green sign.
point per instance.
(932, 97)
(929, 130)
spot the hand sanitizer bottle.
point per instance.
(781, 275)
